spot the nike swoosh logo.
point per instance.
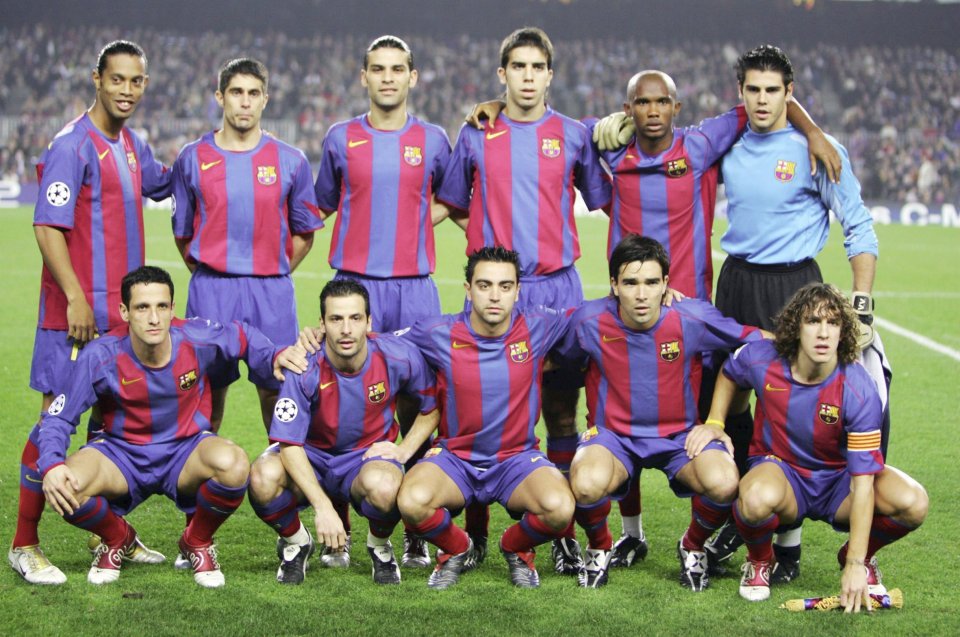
(103, 154)
(496, 135)
(206, 166)
(130, 381)
(325, 385)
(770, 387)
(629, 156)
(536, 459)
(30, 478)
(457, 345)
(610, 339)
(353, 143)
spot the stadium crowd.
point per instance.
(897, 109)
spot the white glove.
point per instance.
(614, 131)
(863, 306)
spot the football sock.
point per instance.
(560, 451)
(593, 520)
(95, 516)
(381, 524)
(280, 513)
(526, 534)
(300, 536)
(789, 537)
(885, 530)
(343, 510)
(440, 531)
(633, 526)
(373, 541)
(706, 517)
(215, 503)
(757, 536)
(30, 506)
(630, 505)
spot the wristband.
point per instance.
(715, 423)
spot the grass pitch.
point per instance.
(916, 288)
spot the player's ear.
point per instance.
(413, 78)
(676, 108)
(363, 78)
(789, 90)
(96, 78)
(124, 313)
(219, 97)
(502, 74)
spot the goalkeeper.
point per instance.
(815, 451)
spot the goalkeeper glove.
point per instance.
(863, 306)
(614, 131)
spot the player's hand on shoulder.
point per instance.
(310, 339)
(293, 358)
(614, 131)
(822, 150)
(671, 295)
(60, 489)
(488, 111)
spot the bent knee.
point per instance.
(229, 463)
(414, 501)
(267, 478)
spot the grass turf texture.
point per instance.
(916, 288)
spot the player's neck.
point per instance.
(229, 138)
(809, 372)
(519, 114)
(153, 355)
(393, 119)
(350, 365)
(109, 126)
(484, 329)
(653, 147)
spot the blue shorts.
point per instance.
(54, 359)
(819, 496)
(336, 473)
(665, 454)
(149, 469)
(493, 484)
(400, 302)
(265, 302)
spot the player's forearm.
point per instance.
(723, 394)
(438, 211)
(864, 268)
(800, 118)
(423, 426)
(298, 467)
(301, 246)
(183, 247)
(56, 256)
(861, 517)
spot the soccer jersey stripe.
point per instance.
(193, 401)
(615, 361)
(269, 237)
(673, 407)
(328, 397)
(522, 369)
(209, 245)
(134, 395)
(827, 423)
(360, 152)
(413, 194)
(467, 391)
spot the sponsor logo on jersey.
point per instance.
(829, 414)
(57, 405)
(493, 135)
(670, 351)
(205, 166)
(132, 161)
(100, 156)
(353, 143)
(677, 167)
(591, 432)
(770, 387)
(187, 380)
(519, 352)
(130, 381)
(550, 147)
(459, 345)
(785, 170)
(267, 175)
(413, 155)
(325, 385)
(58, 194)
(285, 410)
(377, 392)
(611, 339)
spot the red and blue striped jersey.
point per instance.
(144, 405)
(670, 197)
(241, 208)
(92, 187)
(381, 184)
(831, 426)
(517, 181)
(488, 389)
(340, 412)
(645, 383)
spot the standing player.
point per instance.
(89, 227)
(665, 187)
(815, 451)
(334, 431)
(642, 404)
(244, 219)
(489, 361)
(516, 179)
(152, 387)
(380, 171)
(779, 220)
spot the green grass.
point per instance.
(916, 289)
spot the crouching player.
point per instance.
(489, 361)
(333, 434)
(643, 376)
(815, 451)
(152, 388)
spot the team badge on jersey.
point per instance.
(58, 194)
(285, 410)
(550, 147)
(188, 380)
(829, 414)
(377, 392)
(519, 352)
(57, 405)
(677, 167)
(785, 170)
(267, 175)
(433, 451)
(591, 432)
(670, 351)
(413, 155)
(132, 161)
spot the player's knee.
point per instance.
(266, 477)
(754, 502)
(919, 503)
(587, 489)
(414, 500)
(383, 493)
(558, 506)
(723, 488)
(230, 464)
